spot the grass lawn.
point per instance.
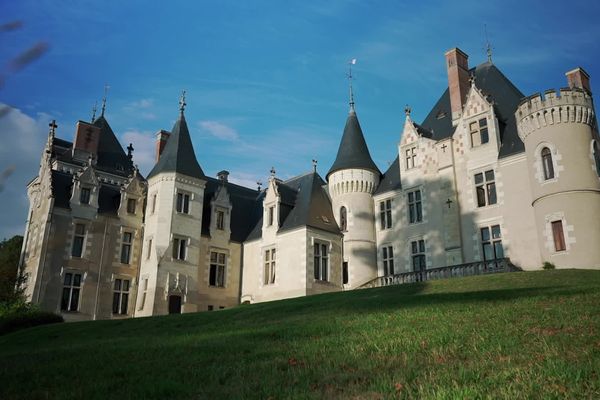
(518, 335)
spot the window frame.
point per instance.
(485, 188)
(414, 199)
(411, 157)
(78, 238)
(217, 268)
(180, 245)
(547, 163)
(343, 219)
(479, 130)
(126, 247)
(220, 219)
(183, 202)
(271, 216)
(418, 255)
(85, 195)
(131, 210)
(70, 288)
(321, 261)
(560, 244)
(121, 296)
(269, 265)
(144, 293)
(385, 214)
(493, 240)
(387, 257)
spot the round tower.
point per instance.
(352, 180)
(561, 145)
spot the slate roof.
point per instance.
(246, 208)
(111, 156)
(303, 203)
(506, 98)
(391, 178)
(178, 154)
(353, 151)
(109, 198)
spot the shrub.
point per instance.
(19, 315)
(548, 265)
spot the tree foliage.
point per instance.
(11, 279)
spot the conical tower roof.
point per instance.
(178, 154)
(353, 152)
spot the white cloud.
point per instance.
(142, 103)
(144, 151)
(220, 130)
(245, 179)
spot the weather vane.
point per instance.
(182, 102)
(350, 64)
(488, 45)
(106, 87)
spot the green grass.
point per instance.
(519, 335)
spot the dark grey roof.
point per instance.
(501, 91)
(391, 179)
(111, 156)
(353, 151)
(246, 208)
(178, 154)
(109, 197)
(303, 203)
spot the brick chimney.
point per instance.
(578, 78)
(223, 175)
(87, 137)
(161, 141)
(458, 80)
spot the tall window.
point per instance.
(84, 195)
(183, 203)
(144, 291)
(131, 203)
(345, 272)
(220, 220)
(343, 219)
(491, 240)
(78, 240)
(417, 251)
(547, 163)
(597, 157)
(415, 208)
(559, 236)
(153, 203)
(120, 296)
(70, 294)
(321, 265)
(479, 132)
(388, 260)
(485, 187)
(269, 272)
(217, 269)
(271, 215)
(385, 213)
(126, 248)
(149, 249)
(411, 155)
(179, 248)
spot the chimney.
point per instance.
(222, 175)
(458, 80)
(578, 78)
(161, 141)
(87, 137)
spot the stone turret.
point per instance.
(560, 135)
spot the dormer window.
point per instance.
(411, 155)
(84, 195)
(220, 220)
(479, 132)
(183, 203)
(271, 215)
(131, 204)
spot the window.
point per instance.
(345, 272)
(597, 157)
(183, 203)
(210, 307)
(121, 296)
(179, 248)
(144, 291)
(411, 155)
(269, 272)
(485, 187)
(217, 269)
(547, 164)
(343, 219)
(385, 213)
(559, 236)
(149, 249)
(479, 132)
(153, 203)
(220, 220)
(271, 215)
(388, 260)
(126, 248)
(70, 294)
(491, 240)
(78, 240)
(417, 251)
(415, 208)
(321, 265)
(84, 196)
(131, 203)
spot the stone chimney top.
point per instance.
(457, 65)
(161, 141)
(578, 78)
(223, 175)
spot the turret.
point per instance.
(561, 144)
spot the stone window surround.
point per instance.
(385, 214)
(86, 238)
(538, 167)
(129, 292)
(387, 246)
(263, 261)
(567, 233)
(73, 271)
(227, 266)
(180, 238)
(477, 120)
(190, 201)
(483, 170)
(328, 245)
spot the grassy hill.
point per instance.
(519, 335)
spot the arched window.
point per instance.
(547, 163)
(597, 156)
(343, 219)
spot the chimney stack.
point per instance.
(578, 78)
(87, 137)
(458, 80)
(223, 176)
(161, 141)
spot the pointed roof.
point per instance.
(178, 154)
(353, 151)
(111, 157)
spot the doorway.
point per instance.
(174, 304)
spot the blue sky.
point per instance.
(266, 80)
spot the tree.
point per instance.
(11, 279)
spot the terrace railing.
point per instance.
(452, 271)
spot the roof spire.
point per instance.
(182, 102)
(106, 87)
(314, 164)
(488, 45)
(350, 64)
(52, 130)
(94, 111)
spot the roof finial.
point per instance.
(314, 164)
(488, 45)
(130, 151)
(182, 102)
(350, 64)
(259, 184)
(407, 110)
(94, 111)
(272, 172)
(106, 87)
(52, 130)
